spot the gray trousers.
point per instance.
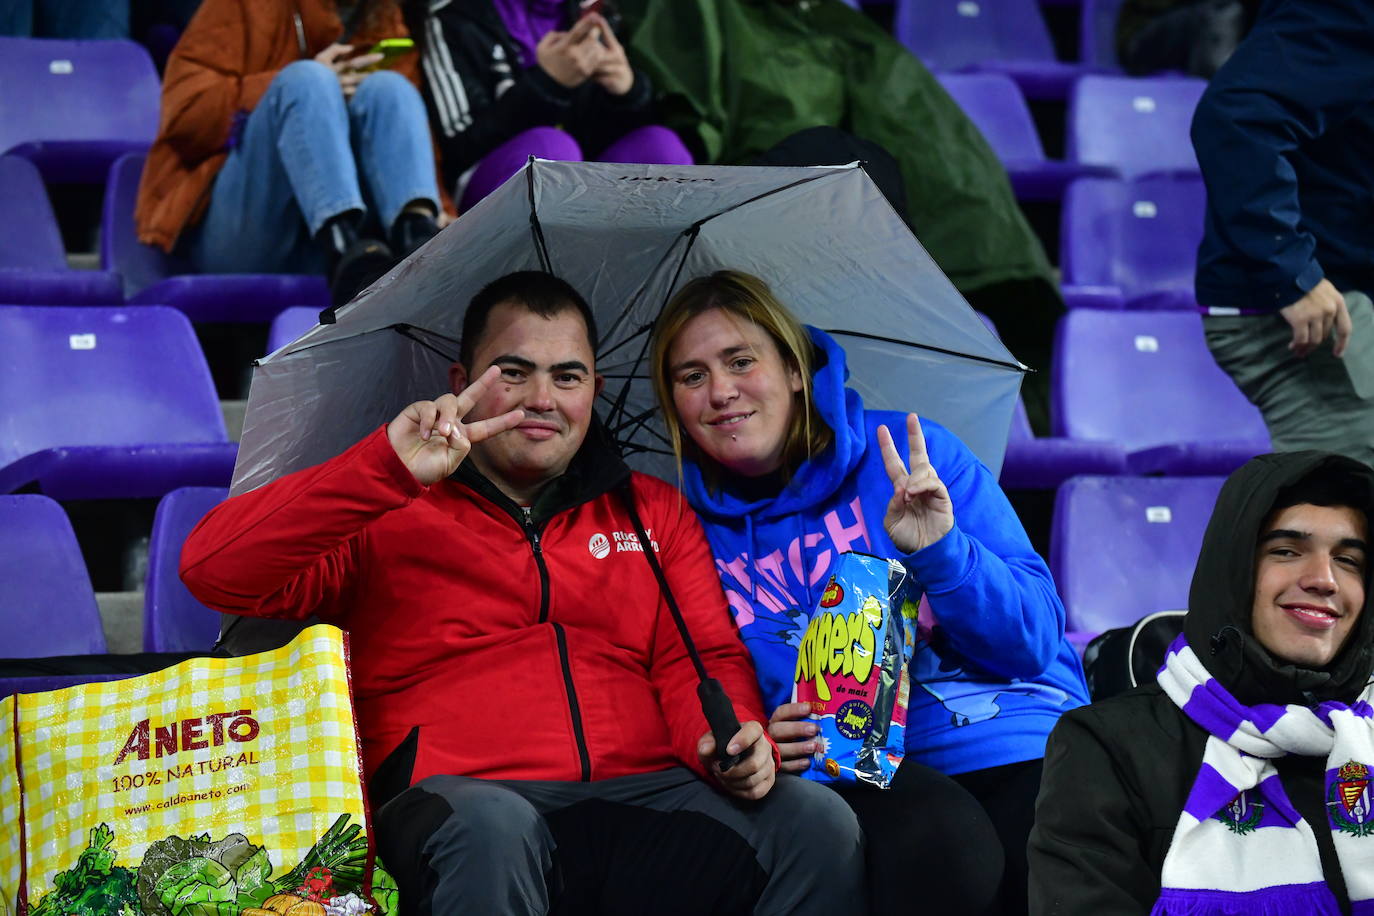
(658, 843)
(1312, 402)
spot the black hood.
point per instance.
(1218, 623)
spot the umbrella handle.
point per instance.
(720, 715)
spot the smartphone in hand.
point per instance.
(392, 50)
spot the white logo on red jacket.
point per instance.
(600, 545)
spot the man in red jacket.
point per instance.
(527, 709)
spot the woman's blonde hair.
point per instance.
(747, 297)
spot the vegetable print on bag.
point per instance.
(218, 787)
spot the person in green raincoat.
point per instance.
(736, 77)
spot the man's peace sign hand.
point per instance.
(432, 440)
(920, 512)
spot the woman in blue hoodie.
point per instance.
(788, 470)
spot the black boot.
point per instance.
(411, 230)
(355, 262)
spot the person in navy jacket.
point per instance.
(1285, 138)
(788, 470)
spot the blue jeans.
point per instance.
(305, 155)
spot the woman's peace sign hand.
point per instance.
(920, 512)
(431, 437)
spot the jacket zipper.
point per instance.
(533, 535)
(584, 758)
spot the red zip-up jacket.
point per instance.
(536, 648)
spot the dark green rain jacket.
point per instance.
(737, 76)
(1117, 773)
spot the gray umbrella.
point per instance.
(627, 237)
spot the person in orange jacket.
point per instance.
(284, 148)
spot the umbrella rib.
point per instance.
(540, 245)
(618, 406)
(607, 352)
(398, 327)
(640, 421)
(1016, 367)
(407, 331)
(744, 203)
(691, 234)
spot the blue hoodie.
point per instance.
(994, 668)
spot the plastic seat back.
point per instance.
(289, 324)
(1143, 379)
(29, 237)
(140, 265)
(950, 34)
(102, 376)
(1124, 547)
(174, 621)
(1135, 126)
(1097, 32)
(47, 605)
(73, 107)
(993, 102)
(1140, 235)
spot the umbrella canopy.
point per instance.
(627, 237)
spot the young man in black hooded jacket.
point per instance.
(1241, 782)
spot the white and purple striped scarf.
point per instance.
(1240, 847)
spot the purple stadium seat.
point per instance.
(1001, 36)
(107, 403)
(1032, 463)
(33, 265)
(1136, 126)
(1146, 381)
(44, 683)
(994, 103)
(154, 277)
(1131, 244)
(173, 621)
(1097, 32)
(73, 107)
(1124, 547)
(289, 324)
(47, 605)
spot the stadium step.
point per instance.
(83, 260)
(121, 616)
(233, 417)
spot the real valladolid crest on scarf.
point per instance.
(1238, 833)
(1240, 846)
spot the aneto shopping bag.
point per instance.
(216, 787)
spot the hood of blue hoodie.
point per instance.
(820, 476)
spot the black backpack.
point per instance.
(1127, 657)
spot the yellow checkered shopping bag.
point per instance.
(217, 787)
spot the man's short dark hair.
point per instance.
(1327, 487)
(541, 293)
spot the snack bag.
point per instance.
(852, 669)
(216, 787)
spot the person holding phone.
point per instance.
(283, 149)
(508, 79)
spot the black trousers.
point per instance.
(662, 843)
(1007, 793)
(930, 846)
